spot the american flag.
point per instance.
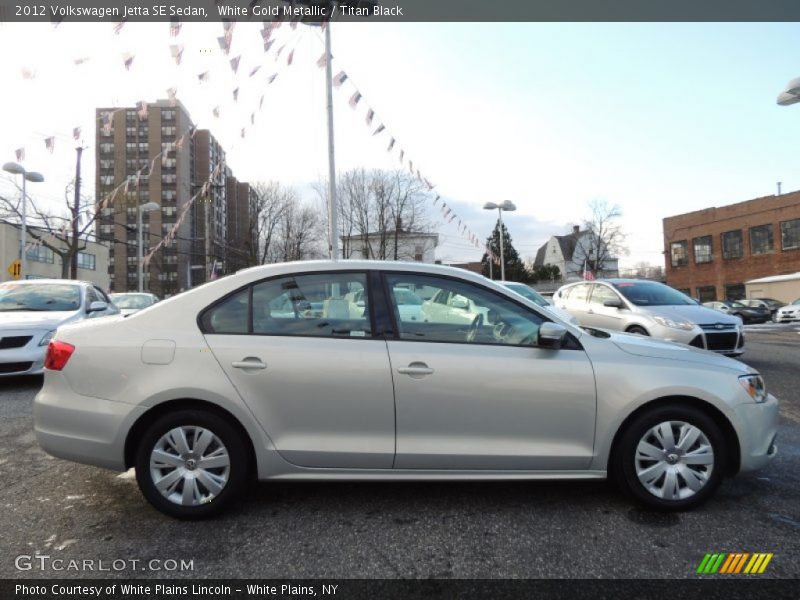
(587, 272)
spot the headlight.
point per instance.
(47, 337)
(754, 386)
(685, 325)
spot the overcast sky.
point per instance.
(658, 118)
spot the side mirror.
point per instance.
(613, 303)
(97, 306)
(459, 302)
(551, 335)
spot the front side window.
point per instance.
(732, 244)
(469, 313)
(702, 249)
(790, 234)
(679, 252)
(761, 239)
(601, 293)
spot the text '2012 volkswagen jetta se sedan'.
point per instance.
(276, 371)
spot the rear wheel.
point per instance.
(670, 458)
(637, 329)
(191, 463)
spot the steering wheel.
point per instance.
(474, 327)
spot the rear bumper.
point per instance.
(758, 426)
(82, 428)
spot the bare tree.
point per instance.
(607, 239)
(55, 232)
(299, 234)
(375, 208)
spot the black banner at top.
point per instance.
(108, 11)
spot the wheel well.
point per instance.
(728, 432)
(143, 422)
(635, 326)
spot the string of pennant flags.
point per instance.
(342, 82)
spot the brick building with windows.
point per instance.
(711, 253)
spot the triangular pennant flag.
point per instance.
(322, 60)
(203, 77)
(118, 26)
(435, 200)
(340, 78)
(271, 78)
(80, 61)
(252, 118)
(242, 131)
(176, 50)
(391, 145)
(224, 44)
(355, 99)
(128, 60)
(370, 116)
(254, 71)
(278, 53)
(380, 128)
(50, 143)
(235, 63)
(290, 58)
(215, 111)
(236, 95)
(174, 27)
(261, 103)
(141, 109)
(268, 45)
(172, 96)
(76, 133)
(402, 154)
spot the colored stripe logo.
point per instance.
(734, 563)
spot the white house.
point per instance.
(571, 252)
(391, 245)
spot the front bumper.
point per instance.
(757, 426)
(81, 428)
(23, 360)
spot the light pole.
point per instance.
(791, 95)
(506, 205)
(33, 177)
(146, 207)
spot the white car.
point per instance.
(131, 302)
(207, 389)
(528, 292)
(30, 312)
(790, 312)
(448, 306)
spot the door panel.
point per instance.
(323, 402)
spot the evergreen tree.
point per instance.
(515, 268)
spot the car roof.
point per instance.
(46, 280)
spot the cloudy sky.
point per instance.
(657, 118)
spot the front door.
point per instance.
(486, 397)
(308, 368)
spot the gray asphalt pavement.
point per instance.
(70, 512)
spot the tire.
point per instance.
(663, 484)
(211, 489)
(637, 330)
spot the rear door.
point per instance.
(318, 381)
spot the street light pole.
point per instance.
(506, 205)
(333, 228)
(32, 176)
(148, 206)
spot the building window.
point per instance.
(40, 254)
(679, 251)
(167, 115)
(707, 293)
(702, 249)
(732, 244)
(106, 148)
(790, 234)
(734, 291)
(86, 261)
(761, 240)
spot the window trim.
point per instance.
(685, 245)
(785, 248)
(252, 284)
(570, 341)
(695, 247)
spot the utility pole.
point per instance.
(76, 208)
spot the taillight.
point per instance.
(58, 354)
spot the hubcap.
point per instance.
(674, 460)
(189, 465)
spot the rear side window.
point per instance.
(229, 316)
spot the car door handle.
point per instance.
(416, 369)
(250, 362)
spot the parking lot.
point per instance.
(418, 530)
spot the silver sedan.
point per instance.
(208, 388)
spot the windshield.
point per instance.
(649, 293)
(527, 292)
(131, 300)
(407, 297)
(39, 297)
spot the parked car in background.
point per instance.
(770, 303)
(30, 312)
(205, 391)
(528, 292)
(448, 306)
(131, 302)
(409, 305)
(748, 314)
(790, 312)
(651, 308)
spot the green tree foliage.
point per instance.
(515, 268)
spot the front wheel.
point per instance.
(191, 463)
(670, 458)
(637, 330)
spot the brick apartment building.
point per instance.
(711, 253)
(128, 145)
